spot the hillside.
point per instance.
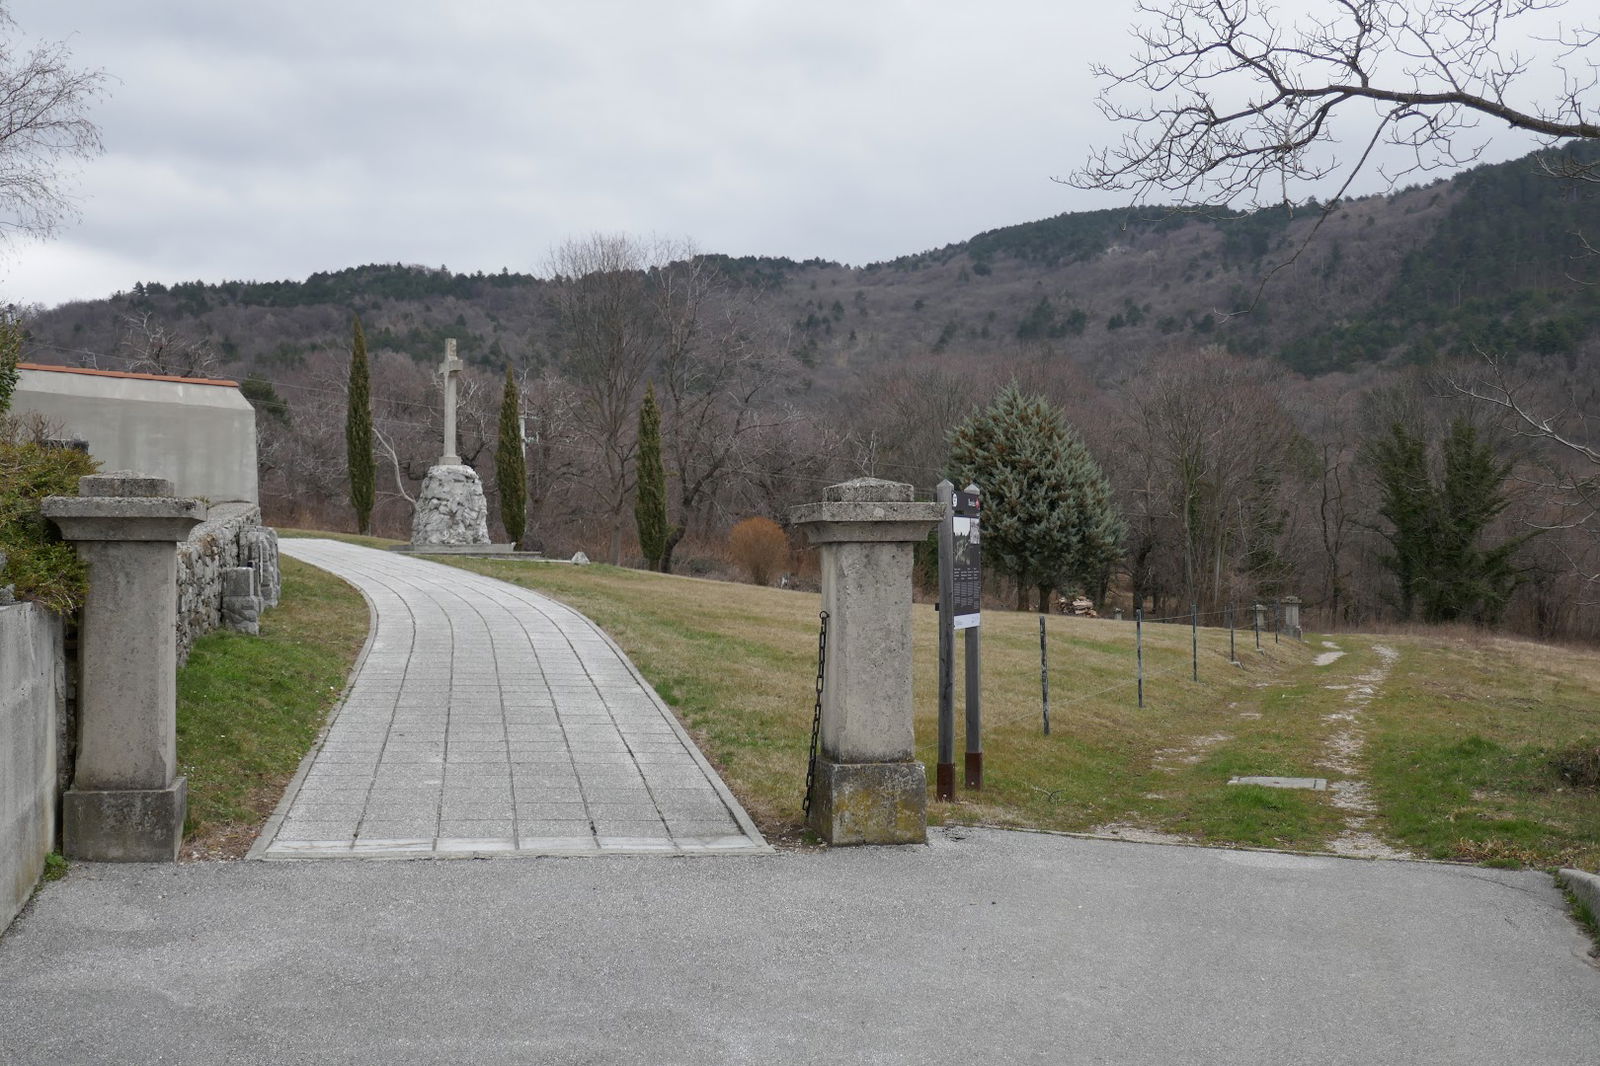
(1493, 258)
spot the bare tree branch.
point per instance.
(44, 127)
(1235, 101)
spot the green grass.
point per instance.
(1582, 914)
(348, 538)
(249, 708)
(1468, 747)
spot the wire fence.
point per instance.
(1137, 683)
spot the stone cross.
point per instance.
(451, 367)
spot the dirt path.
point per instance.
(1344, 754)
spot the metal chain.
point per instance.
(816, 714)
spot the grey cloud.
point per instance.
(276, 140)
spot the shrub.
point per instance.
(43, 568)
(1579, 765)
(759, 547)
(10, 353)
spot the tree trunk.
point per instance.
(1044, 599)
(673, 538)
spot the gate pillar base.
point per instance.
(124, 825)
(870, 802)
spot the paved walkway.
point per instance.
(487, 719)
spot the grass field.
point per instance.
(249, 708)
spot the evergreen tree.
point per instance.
(1468, 579)
(650, 500)
(1443, 570)
(1406, 501)
(358, 432)
(510, 465)
(1048, 518)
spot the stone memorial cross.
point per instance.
(450, 368)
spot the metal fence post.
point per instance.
(1044, 676)
(944, 772)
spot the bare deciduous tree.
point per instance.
(607, 296)
(1207, 444)
(713, 372)
(1236, 100)
(153, 347)
(44, 126)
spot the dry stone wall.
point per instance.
(227, 572)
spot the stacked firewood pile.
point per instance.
(1078, 606)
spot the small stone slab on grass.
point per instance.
(1315, 784)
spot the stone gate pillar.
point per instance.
(127, 802)
(869, 787)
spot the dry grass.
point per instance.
(738, 663)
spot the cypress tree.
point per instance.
(650, 501)
(510, 466)
(358, 432)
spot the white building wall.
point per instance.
(201, 435)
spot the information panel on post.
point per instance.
(966, 564)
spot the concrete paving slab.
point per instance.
(478, 707)
(1313, 784)
(985, 946)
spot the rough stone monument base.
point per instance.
(451, 509)
(870, 803)
(125, 825)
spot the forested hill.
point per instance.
(1495, 258)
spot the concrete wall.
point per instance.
(32, 716)
(200, 435)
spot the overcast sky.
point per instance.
(264, 141)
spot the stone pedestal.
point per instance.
(1291, 616)
(451, 510)
(870, 788)
(127, 802)
(241, 601)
